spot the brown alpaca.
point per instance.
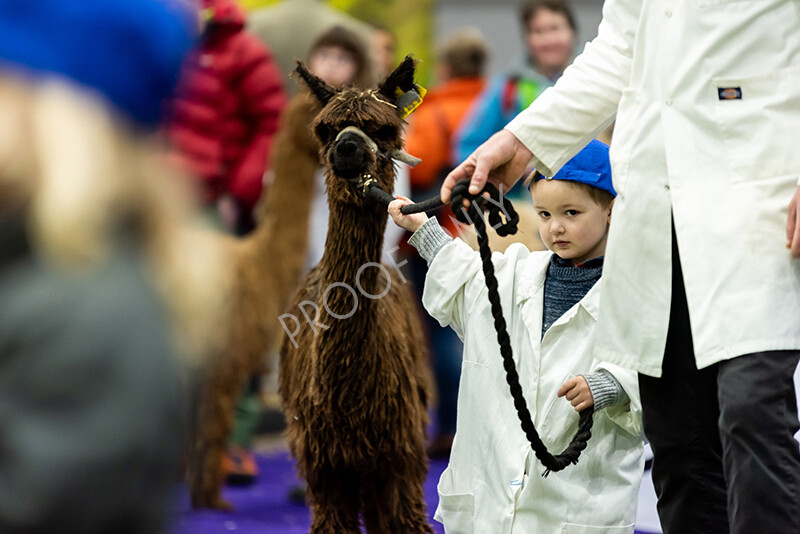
(355, 380)
(267, 265)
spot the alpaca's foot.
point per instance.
(334, 512)
(382, 515)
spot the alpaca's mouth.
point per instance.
(354, 153)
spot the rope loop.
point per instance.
(502, 215)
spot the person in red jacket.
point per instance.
(225, 112)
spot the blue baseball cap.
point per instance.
(590, 166)
(130, 51)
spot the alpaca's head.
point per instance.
(360, 131)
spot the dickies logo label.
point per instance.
(729, 93)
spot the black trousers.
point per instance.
(725, 457)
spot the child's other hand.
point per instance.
(409, 222)
(577, 392)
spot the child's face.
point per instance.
(335, 65)
(571, 223)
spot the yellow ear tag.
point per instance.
(410, 100)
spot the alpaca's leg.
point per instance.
(395, 502)
(209, 438)
(333, 496)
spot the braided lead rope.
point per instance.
(474, 215)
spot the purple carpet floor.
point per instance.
(264, 508)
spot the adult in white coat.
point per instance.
(705, 94)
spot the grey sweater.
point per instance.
(567, 285)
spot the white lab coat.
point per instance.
(725, 169)
(493, 483)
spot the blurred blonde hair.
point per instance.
(84, 177)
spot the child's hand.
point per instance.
(409, 222)
(577, 392)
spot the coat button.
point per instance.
(669, 13)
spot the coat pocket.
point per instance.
(456, 511)
(758, 118)
(571, 528)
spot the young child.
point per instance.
(493, 482)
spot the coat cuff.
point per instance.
(429, 239)
(606, 390)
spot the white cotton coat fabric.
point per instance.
(725, 169)
(493, 482)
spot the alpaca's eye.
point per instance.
(324, 132)
(386, 132)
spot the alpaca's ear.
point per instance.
(400, 81)
(319, 88)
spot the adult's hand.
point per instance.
(793, 225)
(502, 159)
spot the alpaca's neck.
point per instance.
(280, 241)
(351, 286)
(353, 245)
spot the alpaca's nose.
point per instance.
(346, 147)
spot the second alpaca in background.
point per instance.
(268, 264)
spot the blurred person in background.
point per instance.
(225, 114)
(460, 62)
(290, 28)
(382, 50)
(103, 282)
(550, 37)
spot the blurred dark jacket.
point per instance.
(91, 419)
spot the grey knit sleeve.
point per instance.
(429, 239)
(606, 390)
